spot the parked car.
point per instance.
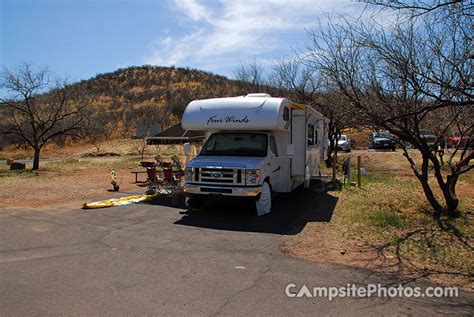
(344, 143)
(381, 140)
(455, 138)
(429, 137)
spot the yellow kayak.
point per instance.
(119, 201)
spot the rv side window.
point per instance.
(273, 145)
(286, 114)
(311, 140)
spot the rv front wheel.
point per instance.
(194, 204)
(264, 203)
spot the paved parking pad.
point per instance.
(154, 259)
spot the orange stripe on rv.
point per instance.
(298, 106)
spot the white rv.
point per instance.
(254, 145)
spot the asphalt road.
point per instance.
(158, 260)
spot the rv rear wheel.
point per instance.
(307, 178)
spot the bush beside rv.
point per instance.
(254, 145)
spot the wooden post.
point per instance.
(347, 170)
(334, 162)
(358, 171)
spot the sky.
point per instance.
(79, 39)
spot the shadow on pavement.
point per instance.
(290, 213)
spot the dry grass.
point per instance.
(122, 147)
(387, 225)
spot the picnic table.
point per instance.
(136, 175)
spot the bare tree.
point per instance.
(139, 145)
(335, 108)
(305, 84)
(109, 120)
(417, 8)
(38, 111)
(129, 120)
(94, 130)
(406, 77)
(292, 76)
(251, 72)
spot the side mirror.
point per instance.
(187, 149)
(290, 149)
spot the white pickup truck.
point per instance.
(254, 145)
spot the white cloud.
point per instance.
(232, 30)
(168, 50)
(193, 9)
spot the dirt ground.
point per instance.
(48, 188)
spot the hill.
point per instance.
(168, 88)
(152, 94)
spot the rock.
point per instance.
(17, 166)
(343, 252)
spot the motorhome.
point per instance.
(255, 145)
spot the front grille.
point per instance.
(218, 176)
(216, 190)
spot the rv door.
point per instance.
(298, 139)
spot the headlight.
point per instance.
(252, 177)
(188, 174)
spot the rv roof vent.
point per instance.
(264, 95)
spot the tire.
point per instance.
(307, 178)
(194, 204)
(264, 203)
(393, 149)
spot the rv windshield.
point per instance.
(236, 144)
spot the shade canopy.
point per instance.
(176, 135)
